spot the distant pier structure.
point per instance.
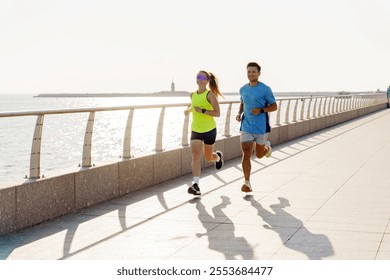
(166, 93)
(172, 86)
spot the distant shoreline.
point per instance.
(156, 94)
(185, 93)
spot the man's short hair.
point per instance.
(254, 64)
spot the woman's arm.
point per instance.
(188, 110)
(214, 102)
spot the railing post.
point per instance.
(127, 136)
(343, 101)
(278, 112)
(346, 99)
(227, 121)
(349, 106)
(315, 107)
(286, 117)
(335, 105)
(184, 137)
(329, 104)
(35, 158)
(319, 107)
(159, 134)
(302, 108)
(295, 110)
(308, 109)
(324, 109)
(87, 148)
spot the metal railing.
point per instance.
(293, 109)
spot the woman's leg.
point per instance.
(209, 154)
(196, 149)
(209, 140)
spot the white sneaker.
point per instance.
(269, 149)
(246, 187)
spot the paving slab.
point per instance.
(324, 196)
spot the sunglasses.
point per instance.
(201, 77)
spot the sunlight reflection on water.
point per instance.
(63, 135)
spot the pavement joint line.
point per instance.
(365, 119)
(372, 155)
(349, 126)
(383, 236)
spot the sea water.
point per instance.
(63, 135)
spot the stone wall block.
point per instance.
(96, 184)
(44, 199)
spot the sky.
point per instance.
(128, 46)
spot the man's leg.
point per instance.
(260, 150)
(263, 146)
(247, 148)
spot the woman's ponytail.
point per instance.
(213, 84)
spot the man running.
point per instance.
(257, 100)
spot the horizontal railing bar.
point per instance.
(122, 108)
(87, 110)
(114, 108)
(99, 109)
(338, 103)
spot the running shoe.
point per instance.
(269, 149)
(246, 187)
(194, 189)
(218, 164)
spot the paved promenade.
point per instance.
(323, 196)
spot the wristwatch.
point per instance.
(261, 110)
(203, 110)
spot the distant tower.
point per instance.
(172, 86)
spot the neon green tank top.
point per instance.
(201, 122)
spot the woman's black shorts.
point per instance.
(207, 137)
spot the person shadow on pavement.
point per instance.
(314, 246)
(220, 232)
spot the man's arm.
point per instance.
(271, 108)
(240, 110)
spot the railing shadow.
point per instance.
(227, 243)
(71, 223)
(314, 246)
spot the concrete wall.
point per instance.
(35, 201)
